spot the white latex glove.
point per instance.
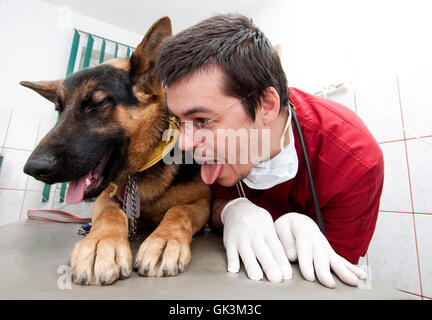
(302, 240)
(249, 232)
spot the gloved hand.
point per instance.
(302, 240)
(249, 232)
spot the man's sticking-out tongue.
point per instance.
(210, 172)
(76, 188)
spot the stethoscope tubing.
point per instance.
(309, 171)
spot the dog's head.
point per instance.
(110, 117)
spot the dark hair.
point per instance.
(235, 44)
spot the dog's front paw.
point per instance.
(101, 260)
(161, 255)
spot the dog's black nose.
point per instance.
(40, 166)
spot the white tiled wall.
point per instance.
(396, 191)
(385, 121)
(39, 50)
(420, 161)
(20, 132)
(5, 115)
(423, 229)
(392, 253)
(22, 123)
(11, 171)
(416, 98)
(400, 251)
(11, 201)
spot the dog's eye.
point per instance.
(94, 105)
(101, 102)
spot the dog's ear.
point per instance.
(47, 89)
(143, 58)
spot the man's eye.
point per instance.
(202, 121)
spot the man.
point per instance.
(223, 75)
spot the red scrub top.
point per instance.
(348, 171)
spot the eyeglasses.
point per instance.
(202, 123)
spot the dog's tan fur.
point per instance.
(179, 210)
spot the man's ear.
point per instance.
(278, 49)
(143, 58)
(47, 89)
(270, 105)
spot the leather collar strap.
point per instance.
(164, 147)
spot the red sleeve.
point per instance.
(350, 220)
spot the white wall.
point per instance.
(377, 37)
(272, 17)
(34, 48)
(36, 39)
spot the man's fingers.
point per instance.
(250, 262)
(280, 257)
(361, 274)
(322, 268)
(339, 266)
(233, 259)
(267, 261)
(283, 229)
(305, 258)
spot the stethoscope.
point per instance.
(241, 192)
(308, 169)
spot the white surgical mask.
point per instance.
(280, 168)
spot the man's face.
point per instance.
(224, 143)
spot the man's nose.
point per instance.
(187, 139)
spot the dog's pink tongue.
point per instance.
(210, 172)
(75, 190)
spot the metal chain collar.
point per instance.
(131, 206)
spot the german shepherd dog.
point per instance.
(111, 118)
